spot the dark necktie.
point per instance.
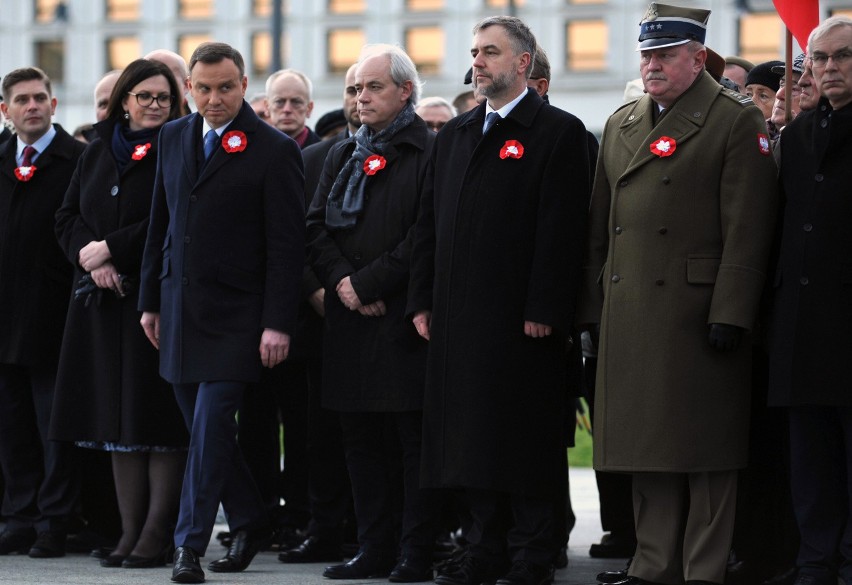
(29, 153)
(209, 143)
(490, 120)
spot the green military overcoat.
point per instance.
(681, 220)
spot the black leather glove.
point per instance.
(725, 337)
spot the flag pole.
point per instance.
(788, 79)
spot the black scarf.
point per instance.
(346, 198)
(125, 141)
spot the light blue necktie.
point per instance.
(490, 120)
(209, 143)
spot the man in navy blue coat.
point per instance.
(221, 279)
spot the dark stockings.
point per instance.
(148, 489)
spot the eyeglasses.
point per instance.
(820, 60)
(145, 99)
(435, 126)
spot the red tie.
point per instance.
(29, 152)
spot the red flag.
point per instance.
(800, 16)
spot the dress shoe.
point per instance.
(313, 550)
(48, 545)
(101, 552)
(411, 570)
(614, 546)
(364, 565)
(16, 541)
(187, 569)
(609, 577)
(527, 573)
(469, 571)
(112, 561)
(244, 546)
(158, 560)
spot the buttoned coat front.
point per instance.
(108, 387)
(810, 339)
(225, 248)
(499, 242)
(35, 277)
(679, 238)
(372, 364)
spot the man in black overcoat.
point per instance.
(35, 169)
(810, 343)
(221, 275)
(329, 491)
(495, 268)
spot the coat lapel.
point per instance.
(188, 144)
(246, 121)
(682, 122)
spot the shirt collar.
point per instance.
(505, 110)
(40, 144)
(205, 127)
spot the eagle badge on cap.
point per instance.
(652, 13)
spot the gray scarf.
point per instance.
(346, 198)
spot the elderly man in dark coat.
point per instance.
(811, 345)
(35, 169)
(495, 270)
(680, 226)
(360, 232)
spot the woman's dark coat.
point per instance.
(372, 363)
(108, 388)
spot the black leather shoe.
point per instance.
(187, 569)
(48, 545)
(470, 571)
(614, 546)
(112, 561)
(362, 566)
(158, 560)
(101, 552)
(17, 541)
(609, 577)
(527, 573)
(313, 550)
(244, 547)
(410, 570)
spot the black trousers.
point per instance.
(371, 471)
(820, 466)
(529, 535)
(42, 483)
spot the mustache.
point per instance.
(655, 76)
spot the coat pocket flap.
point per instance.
(702, 270)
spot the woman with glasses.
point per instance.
(109, 394)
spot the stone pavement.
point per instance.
(266, 570)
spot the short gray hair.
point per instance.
(402, 68)
(437, 102)
(520, 35)
(282, 72)
(825, 27)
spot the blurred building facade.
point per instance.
(590, 43)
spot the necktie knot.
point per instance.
(209, 143)
(29, 153)
(490, 120)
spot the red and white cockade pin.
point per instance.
(234, 141)
(374, 164)
(763, 144)
(664, 146)
(25, 173)
(140, 151)
(512, 149)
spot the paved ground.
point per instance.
(266, 570)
